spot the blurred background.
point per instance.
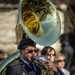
(8, 21)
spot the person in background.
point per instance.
(67, 50)
(73, 70)
(51, 54)
(60, 62)
(3, 55)
(39, 52)
(25, 65)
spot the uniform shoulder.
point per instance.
(13, 63)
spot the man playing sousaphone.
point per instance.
(24, 65)
(40, 21)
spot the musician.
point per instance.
(24, 65)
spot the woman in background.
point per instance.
(49, 52)
(60, 62)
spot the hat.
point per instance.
(25, 42)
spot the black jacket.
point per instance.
(18, 67)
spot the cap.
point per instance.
(25, 42)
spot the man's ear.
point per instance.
(20, 51)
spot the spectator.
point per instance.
(49, 52)
(60, 62)
(67, 50)
(39, 52)
(3, 55)
(73, 70)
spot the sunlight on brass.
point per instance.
(31, 22)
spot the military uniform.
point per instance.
(18, 67)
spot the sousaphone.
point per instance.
(38, 20)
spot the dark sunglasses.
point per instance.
(51, 54)
(60, 60)
(2, 59)
(31, 51)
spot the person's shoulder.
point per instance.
(65, 71)
(14, 66)
(14, 63)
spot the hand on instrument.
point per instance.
(52, 66)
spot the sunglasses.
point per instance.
(2, 59)
(51, 54)
(60, 60)
(31, 51)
